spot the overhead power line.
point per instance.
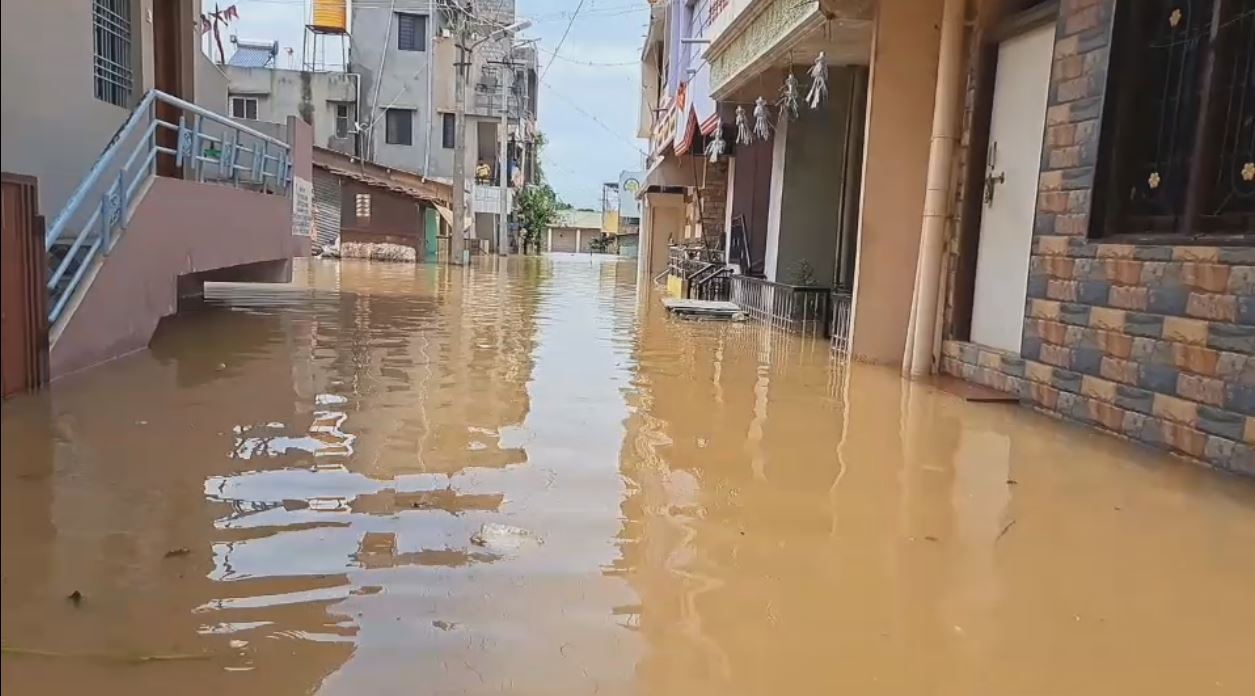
(579, 109)
(562, 40)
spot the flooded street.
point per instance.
(280, 498)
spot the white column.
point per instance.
(578, 233)
(549, 239)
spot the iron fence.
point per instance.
(841, 311)
(797, 308)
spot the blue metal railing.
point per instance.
(207, 147)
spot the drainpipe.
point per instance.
(383, 58)
(432, 18)
(917, 360)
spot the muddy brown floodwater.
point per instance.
(279, 498)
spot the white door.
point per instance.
(1012, 168)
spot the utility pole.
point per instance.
(458, 253)
(503, 224)
(457, 239)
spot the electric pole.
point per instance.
(457, 238)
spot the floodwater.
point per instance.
(279, 498)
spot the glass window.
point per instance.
(1179, 135)
(399, 129)
(448, 130)
(411, 32)
(244, 107)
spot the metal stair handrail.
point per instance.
(208, 147)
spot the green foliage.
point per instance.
(535, 208)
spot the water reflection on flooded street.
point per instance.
(280, 497)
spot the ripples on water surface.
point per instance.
(281, 496)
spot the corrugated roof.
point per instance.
(375, 182)
(583, 219)
(254, 54)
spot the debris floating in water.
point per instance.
(705, 309)
(503, 537)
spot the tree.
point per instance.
(536, 206)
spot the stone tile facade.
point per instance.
(1155, 343)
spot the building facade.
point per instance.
(405, 54)
(146, 189)
(574, 231)
(1132, 303)
(982, 197)
(327, 101)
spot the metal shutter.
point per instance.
(326, 207)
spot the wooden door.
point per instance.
(168, 43)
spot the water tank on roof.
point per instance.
(330, 15)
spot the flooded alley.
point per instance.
(301, 489)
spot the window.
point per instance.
(244, 107)
(399, 129)
(411, 32)
(111, 51)
(362, 205)
(1179, 137)
(448, 130)
(342, 120)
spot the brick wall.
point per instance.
(1152, 342)
(714, 197)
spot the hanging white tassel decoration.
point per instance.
(762, 119)
(819, 82)
(743, 135)
(717, 145)
(789, 97)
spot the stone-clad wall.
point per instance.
(1152, 342)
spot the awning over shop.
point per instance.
(672, 170)
(447, 215)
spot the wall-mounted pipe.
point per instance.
(918, 358)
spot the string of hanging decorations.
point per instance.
(787, 105)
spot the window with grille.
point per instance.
(1178, 157)
(448, 130)
(111, 51)
(244, 107)
(342, 120)
(411, 32)
(362, 205)
(399, 127)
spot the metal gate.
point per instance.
(23, 313)
(326, 207)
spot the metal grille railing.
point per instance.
(841, 311)
(800, 309)
(208, 147)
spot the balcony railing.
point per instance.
(202, 145)
(796, 308)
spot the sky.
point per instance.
(589, 97)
